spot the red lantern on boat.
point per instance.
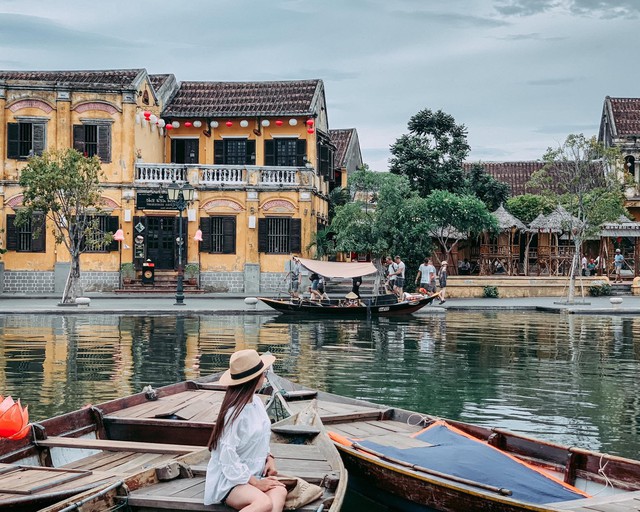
(187, 124)
(14, 419)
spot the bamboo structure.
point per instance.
(501, 252)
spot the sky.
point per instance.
(519, 74)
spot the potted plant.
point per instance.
(128, 272)
(191, 271)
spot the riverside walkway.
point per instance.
(221, 303)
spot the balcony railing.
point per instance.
(216, 175)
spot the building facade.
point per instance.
(258, 154)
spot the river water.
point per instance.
(567, 378)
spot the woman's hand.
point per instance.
(270, 467)
(268, 483)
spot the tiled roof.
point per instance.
(158, 80)
(626, 115)
(341, 139)
(514, 174)
(235, 99)
(110, 78)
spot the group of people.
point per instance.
(590, 266)
(428, 277)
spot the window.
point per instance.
(285, 152)
(235, 152)
(184, 151)
(325, 162)
(21, 238)
(279, 235)
(93, 139)
(25, 139)
(97, 227)
(218, 235)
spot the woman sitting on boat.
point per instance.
(241, 471)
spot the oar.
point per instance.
(433, 472)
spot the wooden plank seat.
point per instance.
(385, 431)
(115, 446)
(623, 502)
(331, 412)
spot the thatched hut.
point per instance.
(550, 246)
(624, 235)
(501, 252)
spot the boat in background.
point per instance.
(414, 461)
(124, 452)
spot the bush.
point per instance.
(600, 290)
(490, 292)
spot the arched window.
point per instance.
(630, 164)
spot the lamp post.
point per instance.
(119, 237)
(181, 195)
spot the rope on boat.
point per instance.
(601, 472)
(422, 420)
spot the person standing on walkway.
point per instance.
(584, 263)
(241, 471)
(618, 261)
(442, 278)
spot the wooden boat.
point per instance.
(371, 307)
(389, 473)
(148, 451)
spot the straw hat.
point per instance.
(444, 263)
(245, 365)
(350, 295)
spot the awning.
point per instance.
(337, 269)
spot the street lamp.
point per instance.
(181, 196)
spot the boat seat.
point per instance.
(115, 446)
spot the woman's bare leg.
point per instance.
(248, 498)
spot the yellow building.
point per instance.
(258, 154)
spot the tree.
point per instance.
(432, 153)
(65, 187)
(453, 217)
(528, 206)
(585, 175)
(485, 187)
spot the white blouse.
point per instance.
(241, 452)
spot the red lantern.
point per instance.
(187, 124)
(169, 127)
(310, 130)
(309, 122)
(278, 122)
(146, 114)
(619, 239)
(229, 123)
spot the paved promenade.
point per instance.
(234, 304)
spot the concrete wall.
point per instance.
(518, 286)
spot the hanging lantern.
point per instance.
(146, 114)
(138, 118)
(293, 122)
(309, 122)
(198, 236)
(278, 122)
(244, 123)
(14, 419)
(214, 124)
(188, 124)
(153, 118)
(229, 123)
(619, 239)
(265, 122)
(169, 127)
(310, 130)
(175, 124)
(161, 123)
(118, 235)
(197, 124)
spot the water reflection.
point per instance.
(567, 378)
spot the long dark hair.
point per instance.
(236, 396)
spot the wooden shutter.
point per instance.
(269, 152)
(113, 224)
(295, 235)
(228, 235)
(39, 228)
(12, 235)
(262, 235)
(13, 140)
(205, 227)
(78, 138)
(104, 143)
(251, 152)
(301, 152)
(39, 138)
(218, 152)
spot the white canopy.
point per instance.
(337, 269)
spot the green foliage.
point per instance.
(490, 292)
(600, 290)
(128, 270)
(485, 187)
(191, 270)
(337, 197)
(528, 206)
(324, 243)
(432, 153)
